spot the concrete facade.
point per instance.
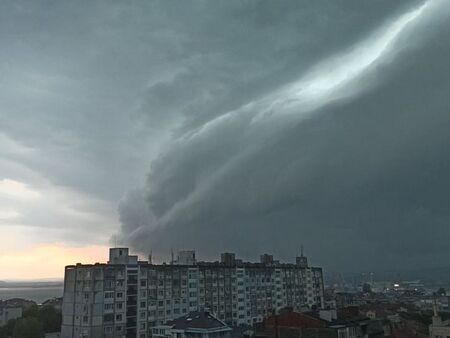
(127, 297)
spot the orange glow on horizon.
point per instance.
(47, 261)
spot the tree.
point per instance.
(30, 311)
(50, 318)
(34, 323)
(28, 328)
(3, 333)
(7, 330)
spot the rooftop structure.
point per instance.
(185, 257)
(198, 324)
(439, 327)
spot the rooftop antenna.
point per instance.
(435, 311)
(150, 256)
(171, 262)
(301, 250)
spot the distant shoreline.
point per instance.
(30, 285)
(11, 287)
(38, 292)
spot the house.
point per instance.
(306, 324)
(440, 327)
(198, 324)
(9, 312)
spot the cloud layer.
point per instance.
(354, 181)
(247, 126)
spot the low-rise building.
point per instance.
(199, 324)
(295, 324)
(9, 312)
(439, 327)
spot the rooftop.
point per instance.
(197, 320)
(121, 256)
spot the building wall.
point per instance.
(9, 313)
(438, 332)
(126, 300)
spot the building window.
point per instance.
(108, 317)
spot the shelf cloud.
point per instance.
(252, 127)
(317, 161)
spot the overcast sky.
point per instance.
(251, 126)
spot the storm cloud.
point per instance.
(349, 159)
(251, 126)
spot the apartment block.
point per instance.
(126, 297)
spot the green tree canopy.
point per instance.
(50, 318)
(28, 328)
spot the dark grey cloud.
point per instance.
(361, 180)
(188, 114)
